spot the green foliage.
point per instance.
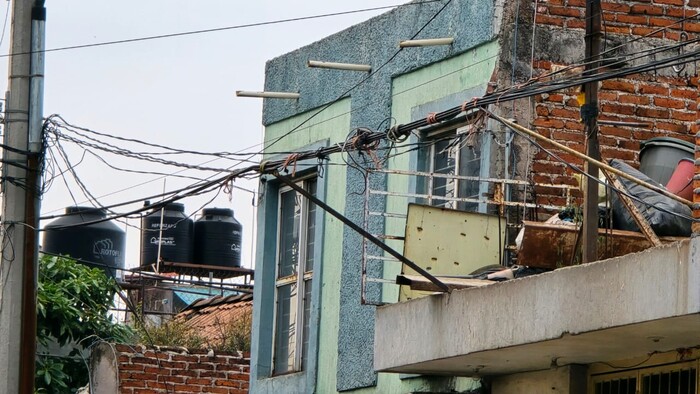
(170, 333)
(73, 301)
(235, 334)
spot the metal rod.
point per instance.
(362, 232)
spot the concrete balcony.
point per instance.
(609, 310)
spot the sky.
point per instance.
(177, 91)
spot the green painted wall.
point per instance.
(333, 125)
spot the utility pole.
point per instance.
(20, 184)
(589, 114)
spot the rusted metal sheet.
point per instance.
(551, 245)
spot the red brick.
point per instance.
(145, 391)
(671, 2)
(556, 98)
(633, 99)
(208, 367)
(131, 383)
(549, 20)
(618, 109)
(608, 95)
(212, 374)
(684, 116)
(669, 102)
(226, 383)
(647, 32)
(653, 89)
(554, 123)
(691, 94)
(661, 22)
(613, 152)
(131, 367)
(576, 3)
(565, 113)
(217, 390)
(172, 379)
(694, 3)
(647, 112)
(624, 86)
(576, 24)
(625, 29)
(184, 388)
(646, 9)
(675, 127)
(631, 19)
(144, 360)
(692, 27)
(616, 131)
(173, 364)
(574, 126)
(203, 382)
(566, 11)
(185, 357)
(541, 110)
(615, 7)
(563, 136)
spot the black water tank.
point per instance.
(99, 243)
(217, 238)
(176, 240)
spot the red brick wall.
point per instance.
(150, 371)
(665, 100)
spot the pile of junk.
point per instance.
(638, 209)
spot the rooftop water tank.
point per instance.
(217, 238)
(99, 244)
(176, 237)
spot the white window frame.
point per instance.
(300, 280)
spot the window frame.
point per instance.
(300, 280)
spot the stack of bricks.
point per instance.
(150, 371)
(665, 101)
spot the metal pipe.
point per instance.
(339, 66)
(427, 42)
(36, 83)
(275, 95)
(362, 232)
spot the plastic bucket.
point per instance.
(659, 157)
(681, 182)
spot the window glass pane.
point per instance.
(307, 314)
(285, 329)
(290, 211)
(444, 162)
(311, 228)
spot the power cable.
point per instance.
(217, 29)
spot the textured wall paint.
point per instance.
(471, 22)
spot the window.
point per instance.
(454, 152)
(678, 378)
(295, 262)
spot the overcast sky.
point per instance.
(173, 91)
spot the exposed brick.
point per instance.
(647, 31)
(694, 3)
(691, 94)
(618, 85)
(566, 11)
(685, 116)
(671, 2)
(615, 7)
(565, 113)
(654, 89)
(549, 20)
(661, 22)
(555, 123)
(634, 99)
(184, 388)
(675, 127)
(669, 102)
(576, 24)
(631, 19)
(618, 109)
(647, 112)
(646, 9)
(226, 383)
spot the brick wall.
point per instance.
(665, 100)
(141, 370)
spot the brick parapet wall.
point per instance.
(144, 370)
(667, 101)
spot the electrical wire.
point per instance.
(218, 29)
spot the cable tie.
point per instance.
(262, 166)
(432, 118)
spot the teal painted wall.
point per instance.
(330, 127)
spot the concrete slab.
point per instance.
(608, 310)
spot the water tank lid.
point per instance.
(86, 211)
(172, 206)
(217, 212)
(668, 142)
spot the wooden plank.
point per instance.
(641, 221)
(552, 245)
(417, 282)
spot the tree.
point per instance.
(72, 311)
